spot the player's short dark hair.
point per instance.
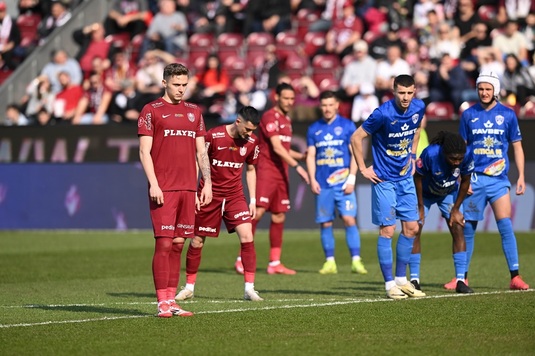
(327, 94)
(452, 143)
(403, 80)
(174, 69)
(249, 114)
(283, 86)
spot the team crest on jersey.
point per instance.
(338, 130)
(415, 118)
(456, 172)
(191, 117)
(272, 126)
(243, 151)
(499, 119)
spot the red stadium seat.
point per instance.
(200, 45)
(255, 46)
(441, 110)
(313, 42)
(304, 18)
(119, 40)
(235, 66)
(324, 79)
(487, 12)
(329, 84)
(287, 43)
(296, 66)
(370, 36)
(229, 44)
(325, 62)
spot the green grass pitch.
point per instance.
(91, 293)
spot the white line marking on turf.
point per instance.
(274, 307)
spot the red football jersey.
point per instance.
(227, 156)
(270, 165)
(174, 129)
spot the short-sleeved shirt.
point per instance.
(174, 129)
(333, 156)
(439, 178)
(227, 156)
(270, 165)
(488, 134)
(392, 135)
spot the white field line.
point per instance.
(237, 310)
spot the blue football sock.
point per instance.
(384, 253)
(403, 254)
(353, 240)
(414, 265)
(505, 226)
(327, 241)
(469, 237)
(459, 261)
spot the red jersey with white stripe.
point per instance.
(174, 129)
(270, 165)
(227, 156)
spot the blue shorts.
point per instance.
(331, 199)
(394, 200)
(486, 190)
(444, 204)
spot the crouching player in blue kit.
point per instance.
(488, 128)
(394, 128)
(436, 180)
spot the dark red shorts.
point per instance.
(273, 195)
(176, 217)
(233, 211)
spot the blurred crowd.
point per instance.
(238, 50)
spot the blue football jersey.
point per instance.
(333, 156)
(489, 133)
(392, 135)
(439, 178)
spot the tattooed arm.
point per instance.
(204, 166)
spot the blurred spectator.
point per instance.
(390, 68)
(230, 16)
(475, 49)
(201, 15)
(59, 15)
(512, 41)
(447, 42)
(149, 74)
(344, 33)
(306, 97)
(267, 71)
(210, 84)
(398, 12)
(529, 32)
(120, 69)
(513, 10)
(39, 99)
(27, 7)
(333, 11)
(127, 16)
(93, 44)
(15, 117)
(242, 93)
(127, 103)
(9, 38)
(61, 62)
(463, 19)
(377, 19)
(362, 69)
(364, 103)
(422, 8)
(67, 99)
(272, 16)
(168, 30)
(428, 34)
(450, 83)
(490, 61)
(379, 46)
(93, 106)
(517, 83)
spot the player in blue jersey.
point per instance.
(394, 128)
(438, 170)
(332, 172)
(488, 128)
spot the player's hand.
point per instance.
(252, 210)
(520, 186)
(348, 188)
(315, 187)
(197, 204)
(206, 194)
(156, 195)
(303, 173)
(470, 191)
(421, 213)
(456, 217)
(369, 174)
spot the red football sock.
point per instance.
(174, 269)
(160, 265)
(254, 223)
(248, 259)
(193, 261)
(275, 240)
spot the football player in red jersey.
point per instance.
(171, 135)
(276, 156)
(229, 148)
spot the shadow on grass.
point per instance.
(132, 295)
(91, 309)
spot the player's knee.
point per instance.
(349, 221)
(410, 229)
(387, 231)
(197, 242)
